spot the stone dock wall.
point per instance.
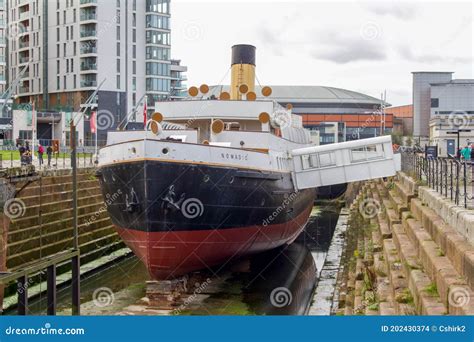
(407, 253)
(41, 223)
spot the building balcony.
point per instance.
(24, 60)
(88, 66)
(88, 34)
(88, 84)
(24, 15)
(88, 16)
(24, 31)
(23, 45)
(88, 50)
(24, 90)
(87, 3)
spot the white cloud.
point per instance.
(361, 46)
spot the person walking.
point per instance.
(40, 154)
(49, 152)
(466, 153)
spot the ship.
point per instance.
(212, 178)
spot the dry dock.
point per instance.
(402, 257)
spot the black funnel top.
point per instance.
(243, 54)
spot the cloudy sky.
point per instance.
(356, 45)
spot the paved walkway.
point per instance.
(58, 164)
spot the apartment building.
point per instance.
(73, 46)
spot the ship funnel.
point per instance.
(243, 71)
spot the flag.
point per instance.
(93, 122)
(144, 115)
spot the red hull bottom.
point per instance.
(168, 255)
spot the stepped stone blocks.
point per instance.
(457, 217)
(422, 263)
(46, 227)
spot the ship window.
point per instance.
(327, 159)
(305, 162)
(318, 160)
(368, 152)
(313, 160)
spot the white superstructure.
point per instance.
(235, 134)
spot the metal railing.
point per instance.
(452, 178)
(62, 160)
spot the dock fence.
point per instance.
(452, 178)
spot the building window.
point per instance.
(118, 49)
(118, 81)
(434, 103)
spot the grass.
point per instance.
(405, 297)
(373, 307)
(432, 290)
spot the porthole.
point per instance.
(165, 151)
(206, 179)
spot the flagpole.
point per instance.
(145, 108)
(96, 134)
(33, 109)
